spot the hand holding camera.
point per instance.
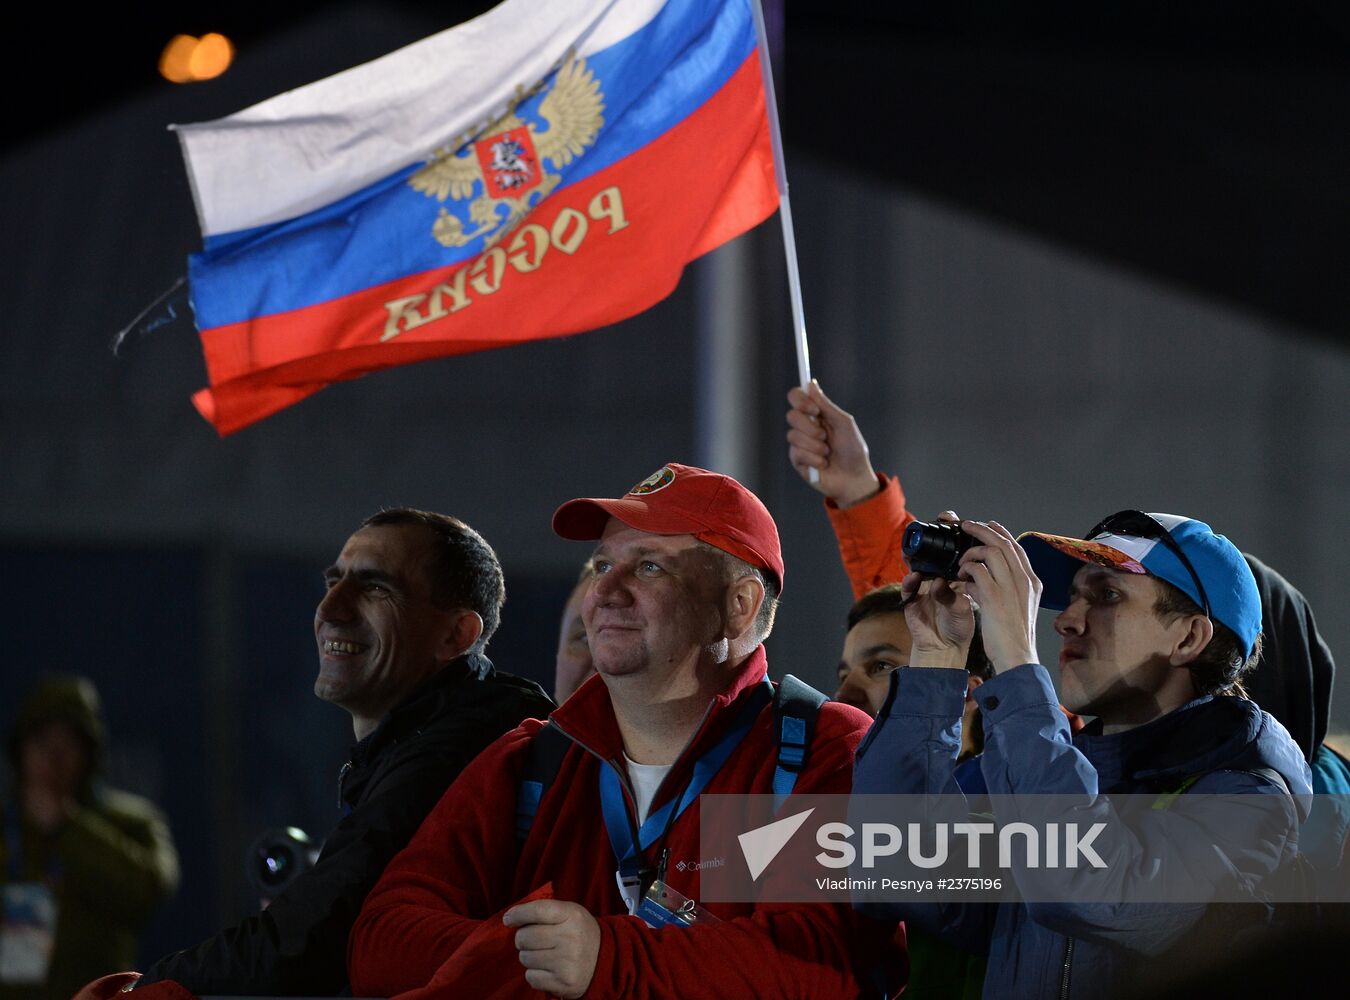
(991, 569)
(935, 549)
(941, 617)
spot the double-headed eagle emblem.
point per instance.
(508, 156)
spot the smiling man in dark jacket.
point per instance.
(410, 605)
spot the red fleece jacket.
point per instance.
(463, 868)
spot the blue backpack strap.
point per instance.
(795, 706)
(542, 762)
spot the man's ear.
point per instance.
(972, 682)
(743, 599)
(463, 630)
(1191, 643)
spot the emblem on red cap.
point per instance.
(658, 480)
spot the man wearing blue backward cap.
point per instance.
(1160, 617)
(1218, 626)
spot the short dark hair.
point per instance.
(1223, 663)
(466, 572)
(883, 600)
(890, 599)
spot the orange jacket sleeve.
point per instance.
(869, 534)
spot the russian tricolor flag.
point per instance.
(545, 169)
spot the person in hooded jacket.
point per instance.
(1160, 618)
(1293, 682)
(82, 866)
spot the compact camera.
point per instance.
(935, 549)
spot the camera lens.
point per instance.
(935, 549)
(276, 864)
(277, 856)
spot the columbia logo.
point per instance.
(698, 866)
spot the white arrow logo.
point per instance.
(762, 844)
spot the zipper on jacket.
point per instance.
(622, 772)
(1064, 976)
(342, 776)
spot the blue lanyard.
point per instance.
(629, 849)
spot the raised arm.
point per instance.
(866, 509)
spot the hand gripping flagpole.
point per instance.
(784, 208)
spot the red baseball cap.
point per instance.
(684, 500)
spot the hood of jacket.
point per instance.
(66, 698)
(1292, 681)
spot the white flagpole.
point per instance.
(784, 208)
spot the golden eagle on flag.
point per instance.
(508, 160)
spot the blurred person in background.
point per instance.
(573, 664)
(84, 866)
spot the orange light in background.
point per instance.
(210, 57)
(187, 59)
(173, 61)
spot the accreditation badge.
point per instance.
(27, 933)
(662, 906)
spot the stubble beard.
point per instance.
(630, 658)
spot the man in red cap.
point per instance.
(495, 898)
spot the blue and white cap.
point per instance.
(1221, 573)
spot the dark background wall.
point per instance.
(1056, 265)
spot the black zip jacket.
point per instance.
(298, 945)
